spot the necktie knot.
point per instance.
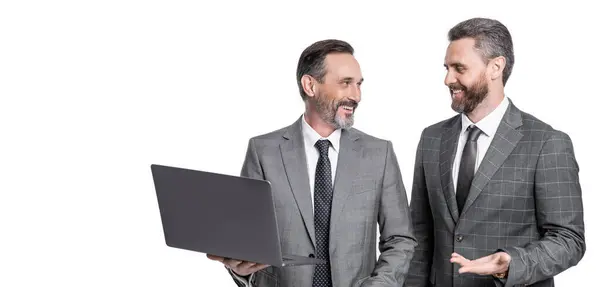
(474, 132)
(323, 147)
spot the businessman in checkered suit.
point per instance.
(496, 199)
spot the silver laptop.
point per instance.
(223, 215)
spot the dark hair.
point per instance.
(312, 60)
(492, 39)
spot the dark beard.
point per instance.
(473, 96)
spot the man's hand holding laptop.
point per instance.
(242, 268)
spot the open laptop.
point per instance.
(223, 215)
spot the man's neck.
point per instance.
(487, 106)
(318, 124)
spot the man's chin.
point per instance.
(344, 123)
(458, 107)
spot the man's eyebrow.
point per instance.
(350, 79)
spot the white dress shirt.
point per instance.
(489, 124)
(312, 153)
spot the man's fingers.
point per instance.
(214, 257)
(232, 263)
(239, 266)
(480, 268)
(486, 265)
(465, 270)
(457, 258)
(456, 255)
(485, 259)
(244, 266)
(258, 267)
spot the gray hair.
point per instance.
(312, 60)
(492, 39)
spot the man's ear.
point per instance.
(497, 66)
(309, 85)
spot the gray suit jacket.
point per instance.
(525, 199)
(368, 190)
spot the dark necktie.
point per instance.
(466, 172)
(323, 194)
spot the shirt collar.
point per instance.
(489, 124)
(311, 136)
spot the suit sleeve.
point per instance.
(396, 242)
(420, 267)
(559, 213)
(251, 168)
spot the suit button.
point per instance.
(459, 238)
(311, 255)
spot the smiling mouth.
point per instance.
(456, 92)
(348, 106)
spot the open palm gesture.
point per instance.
(488, 265)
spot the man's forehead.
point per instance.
(343, 65)
(458, 50)
(340, 59)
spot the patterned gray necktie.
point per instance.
(466, 172)
(323, 195)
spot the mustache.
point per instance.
(349, 103)
(457, 87)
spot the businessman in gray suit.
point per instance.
(333, 185)
(496, 199)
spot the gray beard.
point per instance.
(328, 113)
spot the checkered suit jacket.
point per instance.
(525, 199)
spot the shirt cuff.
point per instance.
(245, 280)
(516, 267)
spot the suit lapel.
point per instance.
(448, 147)
(347, 169)
(506, 138)
(294, 162)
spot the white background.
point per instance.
(93, 92)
